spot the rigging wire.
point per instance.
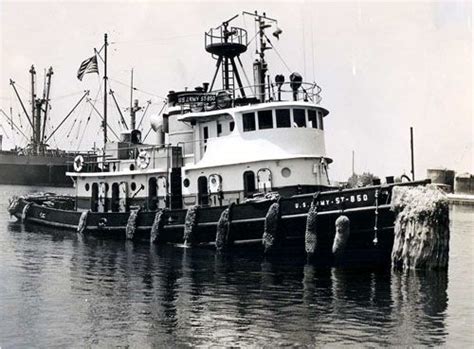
(68, 95)
(304, 41)
(162, 108)
(78, 130)
(70, 129)
(312, 50)
(122, 118)
(156, 40)
(278, 53)
(136, 88)
(144, 113)
(99, 90)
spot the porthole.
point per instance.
(186, 182)
(132, 167)
(87, 186)
(133, 186)
(285, 172)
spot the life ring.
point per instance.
(143, 159)
(215, 183)
(78, 163)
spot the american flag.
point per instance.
(88, 66)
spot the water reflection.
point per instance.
(190, 296)
(108, 293)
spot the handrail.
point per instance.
(308, 92)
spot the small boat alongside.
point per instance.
(232, 166)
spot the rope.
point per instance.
(24, 213)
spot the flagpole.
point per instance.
(105, 92)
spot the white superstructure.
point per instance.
(216, 147)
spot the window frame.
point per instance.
(313, 123)
(304, 117)
(247, 115)
(264, 114)
(289, 117)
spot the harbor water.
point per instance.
(59, 289)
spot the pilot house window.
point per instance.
(312, 118)
(283, 118)
(248, 120)
(299, 117)
(321, 125)
(265, 119)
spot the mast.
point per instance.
(46, 99)
(33, 105)
(260, 67)
(412, 151)
(105, 90)
(132, 114)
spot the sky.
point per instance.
(383, 66)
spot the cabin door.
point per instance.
(123, 195)
(203, 195)
(162, 188)
(94, 197)
(215, 189)
(115, 197)
(249, 183)
(103, 197)
(264, 180)
(152, 194)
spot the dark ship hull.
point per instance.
(35, 170)
(368, 210)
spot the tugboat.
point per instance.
(37, 164)
(235, 165)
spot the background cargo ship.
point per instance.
(37, 163)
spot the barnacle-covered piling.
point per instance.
(272, 235)
(223, 229)
(421, 228)
(190, 223)
(131, 224)
(157, 226)
(311, 238)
